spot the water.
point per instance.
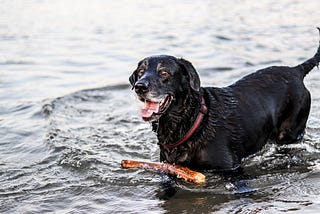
(68, 117)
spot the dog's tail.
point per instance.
(308, 65)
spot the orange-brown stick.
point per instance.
(173, 169)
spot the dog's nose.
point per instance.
(141, 87)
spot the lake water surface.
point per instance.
(68, 116)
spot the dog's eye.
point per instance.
(141, 72)
(164, 73)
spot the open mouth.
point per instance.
(153, 110)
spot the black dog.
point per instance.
(214, 128)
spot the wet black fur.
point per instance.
(272, 103)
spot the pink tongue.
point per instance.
(149, 109)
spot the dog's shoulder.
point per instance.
(221, 102)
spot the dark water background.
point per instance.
(68, 117)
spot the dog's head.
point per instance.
(160, 80)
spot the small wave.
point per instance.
(76, 158)
(111, 87)
(224, 38)
(214, 69)
(271, 62)
(16, 62)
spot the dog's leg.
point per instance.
(238, 182)
(168, 187)
(293, 127)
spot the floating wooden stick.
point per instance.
(173, 169)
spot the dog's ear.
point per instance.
(133, 78)
(192, 74)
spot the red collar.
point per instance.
(202, 112)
